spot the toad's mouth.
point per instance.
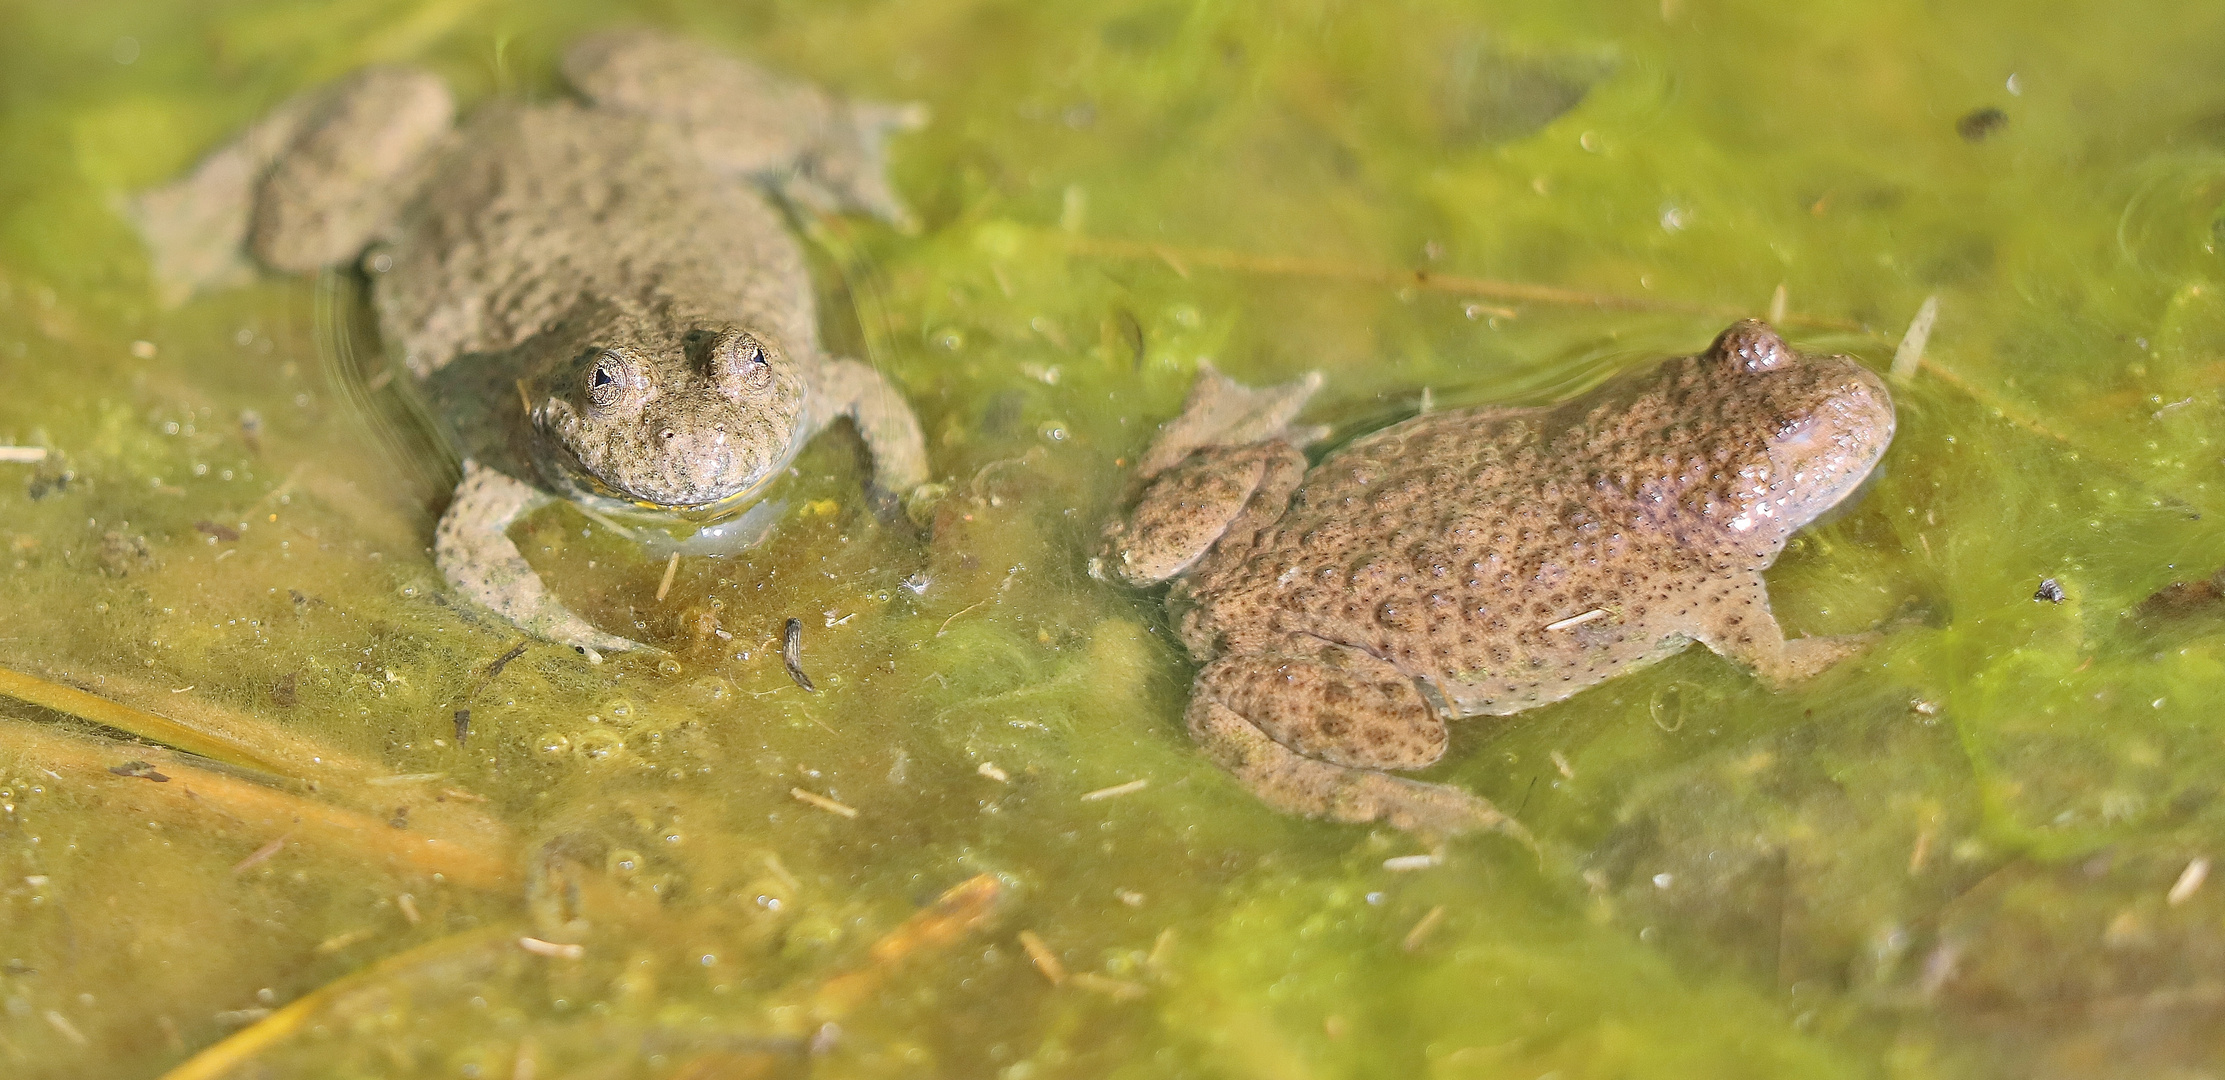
(564, 471)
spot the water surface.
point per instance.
(1976, 851)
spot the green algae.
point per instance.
(1954, 856)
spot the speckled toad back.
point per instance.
(598, 301)
(1482, 561)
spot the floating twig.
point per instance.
(154, 728)
(671, 570)
(1042, 957)
(823, 803)
(1911, 351)
(225, 1057)
(1116, 989)
(2190, 880)
(1117, 790)
(470, 862)
(262, 854)
(1422, 929)
(959, 911)
(557, 950)
(1578, 620)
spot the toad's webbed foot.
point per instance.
(1223, 412)
(475, 554)
(1736, 622)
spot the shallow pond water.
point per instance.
(985, 846)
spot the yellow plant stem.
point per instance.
(216, 746)
(221, 1059)
(261, 812)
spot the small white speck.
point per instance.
(2016, 86)
(2190, 880)
(125, 50)
(1663, 880)
(1410, 862)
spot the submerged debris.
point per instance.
(1043, 958)
(140, 769)
(494, 670)
(47, 483)
(2184, 598)
(553, 949)
(2050, 592)
(2190, 881)
(671, 570)
(791, 654)
(822, 802)
(1116, 989)
(1978, 124)
(120, 554)
(1416, 937)
(1117, 790)
(463, 726)
(1910, 355)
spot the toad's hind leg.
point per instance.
(308, 186)
(742, 120)
(353, 166)
(475, 554)
(1311, 736)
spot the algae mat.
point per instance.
(247, 828)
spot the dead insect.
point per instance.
(139, 769)
(791, 654)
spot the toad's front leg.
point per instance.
(1312, 734)
(473, 550)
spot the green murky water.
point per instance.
(1976, 851)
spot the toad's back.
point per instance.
(1515, 556)
(1456, 545)
(533, 208)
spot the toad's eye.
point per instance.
(739, 363)
(606, 382)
